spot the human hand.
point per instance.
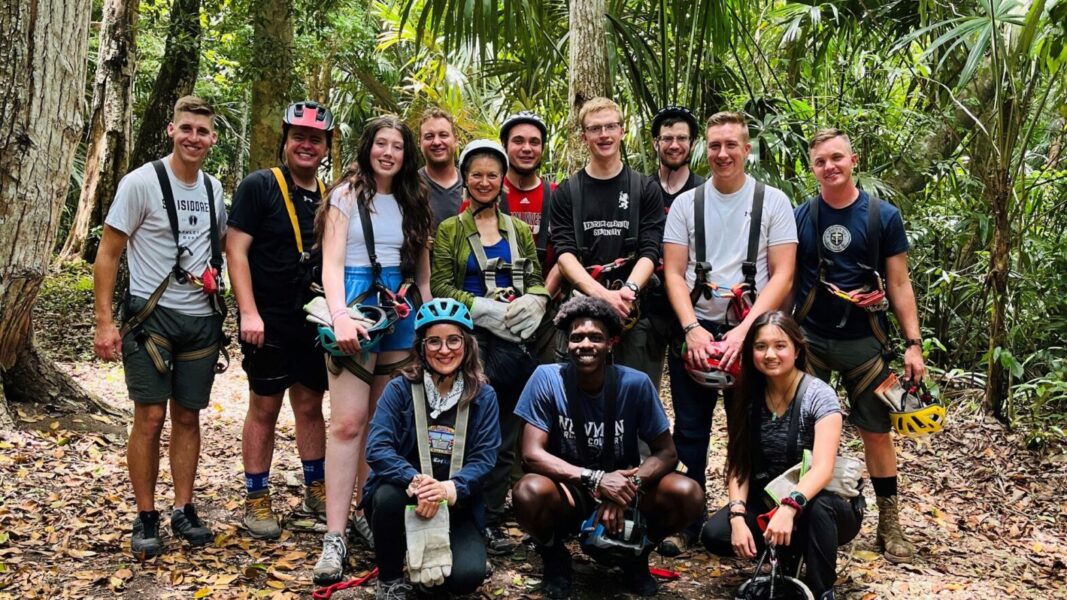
(107, 342)
(731, 345)
(618, 487)
(698, 347)
(914, 367)
(780, 529)
(252, 329)
(349, 334)
(615, 299)
(741, 538)
(612, 516)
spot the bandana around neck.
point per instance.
(438, 403)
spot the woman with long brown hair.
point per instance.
(374, 230)
(781, 412)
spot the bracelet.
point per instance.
(913, 342)
(587, 477)
(340, 312)
(736, 514)
(740, 503)
(792, 504)
(690, 327)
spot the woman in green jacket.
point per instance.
(488, 261)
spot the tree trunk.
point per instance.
(272, 68)
(43, 56)
(110, 125)
(176, 78)
(588, 69)
(996, 390)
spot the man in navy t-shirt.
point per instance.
(578, 466)
(844, 336)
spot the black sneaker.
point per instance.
(639, 581)
(145, 542)
(186, 525)
(498, 542)
(558, 580)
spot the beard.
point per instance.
(524, 172)
(675, 163)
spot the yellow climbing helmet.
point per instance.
(912, 410)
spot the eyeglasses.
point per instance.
(670, 139)
(452, 342)
(605, 128)
(596, 338)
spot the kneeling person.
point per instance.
(565, 407)
(433, 441)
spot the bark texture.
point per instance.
(43, 56)
(176, 78)
(272, 68)
(589, 68)
(110, 126)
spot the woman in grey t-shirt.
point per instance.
(810, 523)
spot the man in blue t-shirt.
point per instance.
(849, 336)
(570, 478)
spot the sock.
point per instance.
(314, 470)
(256, 482)
(179, 508)
(148, 515)
(884, 487)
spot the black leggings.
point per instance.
(827, 522)
(386, 514)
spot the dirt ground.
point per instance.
(989, 516)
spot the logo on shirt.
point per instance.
(836, 238)
(193, 220)
(524, 200)
(624, 200)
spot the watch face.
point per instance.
(799, 498)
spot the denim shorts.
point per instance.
(359, 280)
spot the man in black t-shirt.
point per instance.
(619, 216)
(674, 129)
(272, 268)
(437, 141)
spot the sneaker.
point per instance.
(498, 542)
(397, 589)
(674, 545)
(259, 518)
(558, 582)
(315, 499)
(331, 566)
(360, 532)
(186, 525)
(895, 547)
(145, 541)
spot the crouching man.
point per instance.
(572, 480)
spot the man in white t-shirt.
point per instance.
(172, 334)
(728, 199)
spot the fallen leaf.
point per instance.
(203, 592)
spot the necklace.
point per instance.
(787, 399)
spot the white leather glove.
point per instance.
(318, 312)
(524, 315)
(491, 315)
(429, 555)
(783, 485)
(847, 472)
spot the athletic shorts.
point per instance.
(289, 356)
(189, 381)
(865, 410)
(359, 280)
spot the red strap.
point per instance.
(765, 519)
(324, 593)
(664, 573)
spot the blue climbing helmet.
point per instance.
(443, 310)
(381, 326)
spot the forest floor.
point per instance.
(989, 516)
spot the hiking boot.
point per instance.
(331, 566)
(315, 499)
(360, 532)
(259, 518)
(676, 544)
(639, 580)
(891, 540)
(186, 525)
(145, 541)
(558, 581)
(397, 589)
(498, 542)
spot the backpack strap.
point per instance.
(802, 310)
(422, 432)
(291, 209)
(748, 268)
(517, 267)
(759, 466)
(577, 414)
(702, 268)
(574, 190)
(172, 214)
(636, 186)
(546, 215)
(874, 231)
(368, 239)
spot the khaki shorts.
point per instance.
(188, 382)
(865, 410)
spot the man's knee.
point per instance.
(264, 410)
(184, 418)
(875, 439)
(468, 571)
(678, 499)
(532, 491)
(148, 419)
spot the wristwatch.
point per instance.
(799, 498)
(908, 343)
(633, 287)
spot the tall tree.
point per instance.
(588, 68)
(43, 56)
(110, 124)
(272, 67)
(176, 78)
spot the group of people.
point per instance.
(470, 319)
